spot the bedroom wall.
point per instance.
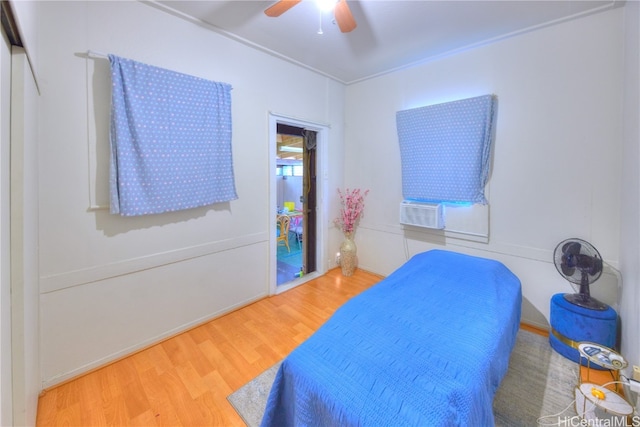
(556, 159)
(111, 285)
(630, 219)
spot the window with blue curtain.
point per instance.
(170, 140)
(445, 150)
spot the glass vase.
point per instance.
(348, 255)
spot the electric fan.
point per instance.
(579, 262)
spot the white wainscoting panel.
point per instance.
(89, 325)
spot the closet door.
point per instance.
(25, 296)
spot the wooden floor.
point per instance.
(185, 380)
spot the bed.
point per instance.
(426, 346)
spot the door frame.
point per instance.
(321, 195)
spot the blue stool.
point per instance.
(571, 324)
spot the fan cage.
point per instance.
(579, 262)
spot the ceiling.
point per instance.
(289, 147)
(391, 34)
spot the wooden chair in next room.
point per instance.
(283, 222)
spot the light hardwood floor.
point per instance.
(185, 380)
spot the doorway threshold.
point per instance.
(300, 281)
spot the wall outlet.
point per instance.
(636, 373)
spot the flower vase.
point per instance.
(348, 255)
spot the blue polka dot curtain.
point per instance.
(445, 150)
(170, 140)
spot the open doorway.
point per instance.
(297, 188)
(296, 202)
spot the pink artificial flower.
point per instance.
(352, 206)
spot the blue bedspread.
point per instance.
(427, 346)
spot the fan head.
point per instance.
(579, 262)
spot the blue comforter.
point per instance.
(427, 346)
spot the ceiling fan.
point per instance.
(341, 11)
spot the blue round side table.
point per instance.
(571, 324)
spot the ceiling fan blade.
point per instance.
(344, 18)
(280, 7)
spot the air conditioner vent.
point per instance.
(427, 215)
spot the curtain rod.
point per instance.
(96, 54)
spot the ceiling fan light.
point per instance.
(326, 5)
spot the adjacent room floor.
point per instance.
(289, 261)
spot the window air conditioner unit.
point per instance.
(427, 215)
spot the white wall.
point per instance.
(110, 285)
(630, 219)
(556, 160)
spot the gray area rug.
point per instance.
(539, 383)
